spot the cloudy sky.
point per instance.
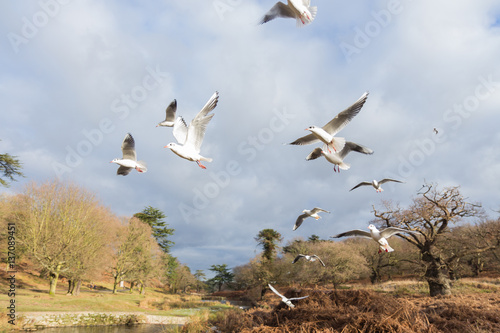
(78, 75)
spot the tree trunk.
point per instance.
(132, 284)
(76, 288)
(53, 282)
(375, 276)
(436, 275)
(142, 291)
(71, 286)
(115, 283)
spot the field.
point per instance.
(396, 306)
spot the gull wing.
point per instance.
(361, 184)
(343, 118)
(170, 111)
(128, 148)
(337, 123)
(390, 231)
(299, 221)
(180, 130)
(316, 210)
(351, 146)
(297, 258)
(296, 298)
(278, 10)
(275, 291)
(198, 126)
(123, 170)
(314, 154)
(356, 233)
(385, 180)
(321, 261)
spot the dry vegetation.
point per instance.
(364, 310)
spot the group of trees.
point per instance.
(65, 231)
(453, 239)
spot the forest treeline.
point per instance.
(64, 231)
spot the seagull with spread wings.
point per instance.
(308, 213)
(326, 134)
(376, 184)
(337, 159)
(379, 236)
(285, 300)
(300, 10)
(307, 257)
(190, 138)
(129, 159)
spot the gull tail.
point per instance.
(206, 159)
(141, 166)
(313, 11)
(344, 166)
(386, 248)
(338, 144)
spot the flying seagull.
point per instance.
(296, 9)
(170, 115)
(308, 258)
(338, 158)
(376, 184)
(308, 213)
(129, 159)
(379, 236)
(190, 138)
(435, 130)
(326, 134)
(285, 300)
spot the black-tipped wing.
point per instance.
(123, 171)
(128, 148)
(297, 258)
(386, 180)
(299, 221)
(356, 233)
(171, 110)
(314, 154)
(278, 10)
(391, 231)
(321, 261)
(361, 184)
(343, 118)
(351, 146)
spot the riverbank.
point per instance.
(38, 320)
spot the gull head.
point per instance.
(311, 128)
(171, 145)
(114, 160)
(372, 227)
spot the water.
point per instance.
(142, 328)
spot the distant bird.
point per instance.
(435, 130)
(170, 115)
(338, 158)
(190, 138)
(308, 213)
(308, 258)
(296, 9)
(129, 159)
(326, 134)
(376, 184)
(285, 300)
(379, 236)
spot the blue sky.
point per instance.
(78, 75)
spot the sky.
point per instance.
(77, 76)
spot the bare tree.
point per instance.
(431, 215)
(59, 224)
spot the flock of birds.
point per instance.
(335, 149)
